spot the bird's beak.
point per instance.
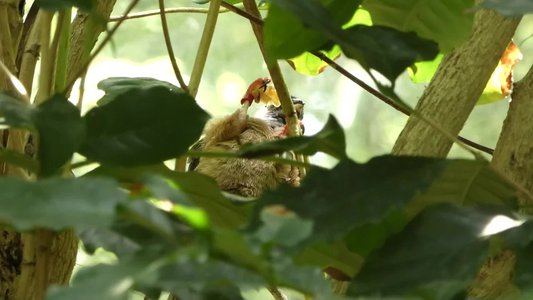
(302, 127)
(255, 90)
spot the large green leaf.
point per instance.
(19, 159)
(201, 275)
(309, 64)
(201, 190)
(58, 203)
(329, 140)
(438, 254)
(509, 7)
(61, 132)
(147, 216)
(286, 36)
(108, 282)
(443, 21)
(352, 194)
(143, 125)
(375, 47)
(462, 182)
(110, 240)
(115, 86)
(14, 112)
(56, 5)
(386, 50)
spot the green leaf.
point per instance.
(143, 125)
(201, 190)
(442, 21)
(107, 282)
(287, 230)
(115, 86)
(204, 275)
(375, 47)
(524, 263)
(19, 159)
(330, 254)
(462, 182)
(444, 238)
(308, 64)
(61, 132)
(386, 50)
(422, 72)
(520, 240)
(55, 5)
(509, 7)
(147, 216)
(329, 140)
(110, 240)
(14, 112)
(287, 35)
(351, 194)
(204, 193)
(58, 203)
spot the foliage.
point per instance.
(386, 225)
(183, 245)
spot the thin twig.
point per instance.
(168, 43)
(79, 104)
(356, 80)
(242, 13)
(155, 12)
(277, 79)
(86, 64)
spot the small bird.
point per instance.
(247, 177)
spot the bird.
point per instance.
(241, 176)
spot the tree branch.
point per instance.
(203, 48)
(168, 44)
(356, 80)
(456, 86)
(155, 12)
(78, 65)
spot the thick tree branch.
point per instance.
(455, 88)
(85, 32)
(513, 153)
(512, 157)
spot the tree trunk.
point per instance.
(456, 86)
(30, 262)
(449, 100)
(85, 32)
(513, 157)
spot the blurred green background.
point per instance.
(234, 61)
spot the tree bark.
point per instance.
(449, 100)
(85, 32)
(30, 262)
(514, 150)
(456, 86)
(513, 157)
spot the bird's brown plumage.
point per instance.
(245, 177)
